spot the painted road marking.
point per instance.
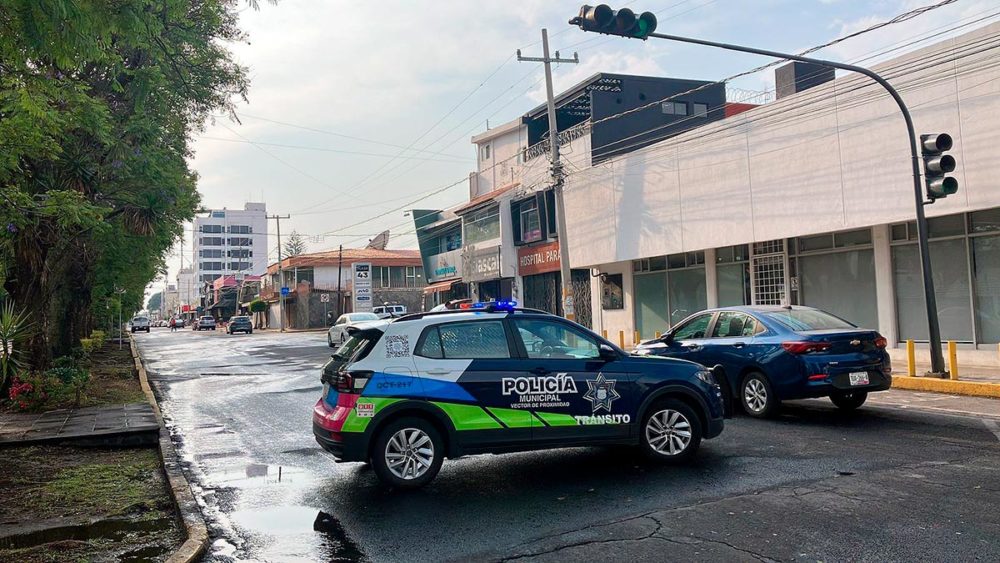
(993, 427)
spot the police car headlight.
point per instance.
(706, 376)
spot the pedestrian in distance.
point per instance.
(173, 324)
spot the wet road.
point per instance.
(904, 478)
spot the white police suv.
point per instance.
(406, 393)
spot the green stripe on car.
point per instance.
(468, 417)
(512, 418)
(553, 419)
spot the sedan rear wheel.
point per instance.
(757, 396)
(849, 401)
(671, 432)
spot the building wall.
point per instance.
(503, 165)
(831, 158)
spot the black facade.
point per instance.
(604, 95)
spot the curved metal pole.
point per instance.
(930, 301)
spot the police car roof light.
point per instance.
(490, 305)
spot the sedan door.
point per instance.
(731, 345)
(687, 340)
(574, 394)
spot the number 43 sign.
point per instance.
(362, 287)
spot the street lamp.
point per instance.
(602, 19)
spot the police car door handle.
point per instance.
(540, 371)
(438, 371)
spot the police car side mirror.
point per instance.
(607, 353)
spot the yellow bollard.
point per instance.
(637, 340)
(658, 335)
(911, 359)
(604, 333)
(953, 359)
(621, 338)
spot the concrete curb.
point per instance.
(194, 523)
(950, 386)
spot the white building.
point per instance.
(808, 200)
(230, 241)
(187, 288)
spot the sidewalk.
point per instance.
(972, 381)
(128, 424)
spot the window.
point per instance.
(470, 340)
(211, 241)
(240, 241)
(430, 347)
(239, 253)
(397, 276)
(380, 276)
(209, 266)
(611, 292)
(699, 110)
(211, 228)
(239, 266)
(695, 328)
(674, 108)
(733, 324)
(531, 224)
(412, 276)
(484, 152)
(240, 229)
(554, 340)
(210, 253)
(451, 240)
(482, 225)
(218, 214)
(808, 319)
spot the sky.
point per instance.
(353, 113)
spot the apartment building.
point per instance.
(230, 242)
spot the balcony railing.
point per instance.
(565, 137)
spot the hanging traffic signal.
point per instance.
(624, 22)
(937, 164)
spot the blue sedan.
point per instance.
(764, 355)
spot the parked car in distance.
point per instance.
(139, 323)
(770, 354)
(239, 324)
(205, 323)
(389, 311)
(337, 335)
(407, 393)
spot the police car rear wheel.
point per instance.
(671, 432)
(408, 453)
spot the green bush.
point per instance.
(99, 336)
(71, 375)
(33, 391)
(258, 306)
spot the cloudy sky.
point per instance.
(357, 108)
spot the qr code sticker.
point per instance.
(397, 346)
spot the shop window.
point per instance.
(986, 284)
(612, 293)
(733, 283)
(950, 264)
(984, 221)
(482, 225)
(947, 226)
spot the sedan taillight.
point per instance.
(805, 347)
(881, 342)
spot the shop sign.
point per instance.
(538, 259)
(481, 264)
(446, 265)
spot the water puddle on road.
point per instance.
(293, 533)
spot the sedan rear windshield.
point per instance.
(808, 319)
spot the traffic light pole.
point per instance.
(569, 309)
(930, 302)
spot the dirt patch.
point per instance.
(97, 503)
(113, 378)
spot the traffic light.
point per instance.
(624, 22)
(937, 164)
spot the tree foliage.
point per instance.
(98, 104)
(294, 246)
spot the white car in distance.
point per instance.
(337, 335)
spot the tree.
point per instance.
(295, 245)
(98, 104)
(154, 301)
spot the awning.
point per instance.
(439, 287)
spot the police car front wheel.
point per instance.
(671, 432)
(408, 453)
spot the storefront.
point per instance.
(667, 289)
(483, 268)
(538, 266)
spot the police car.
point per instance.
(405, 393)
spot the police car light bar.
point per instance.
(490, 305)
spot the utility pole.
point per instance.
(340, 274)
(569, 311)
(281, 275)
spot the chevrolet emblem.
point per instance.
(855, 342)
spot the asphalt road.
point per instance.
(910, 477)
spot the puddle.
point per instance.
(298, 532)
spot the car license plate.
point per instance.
(858, 377)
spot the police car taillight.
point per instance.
(352, 381)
